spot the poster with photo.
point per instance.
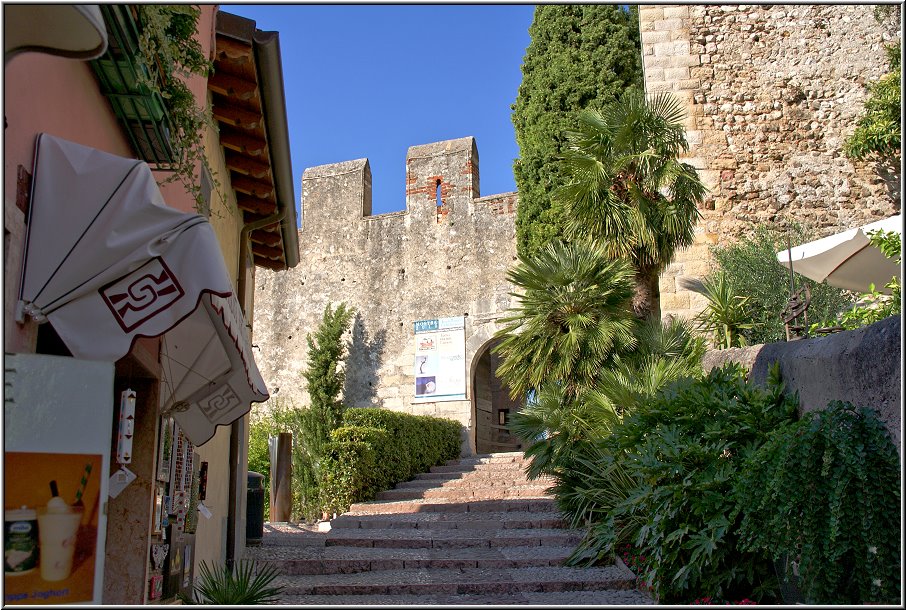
(50, 537)
(440, 359)
(56, 432)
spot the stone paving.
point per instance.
(472, 532)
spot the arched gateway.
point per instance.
(428, 283)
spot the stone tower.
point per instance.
(771, 93)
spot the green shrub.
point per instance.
(684, 449)
(376, 449)
(825, 492)
(726, 315)
(877, 133)
(344, 477)
(752, 269)
(246, 584)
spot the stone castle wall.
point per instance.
(771, 93)
(426, 262)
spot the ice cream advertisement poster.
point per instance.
(440, 359)
(51, 506)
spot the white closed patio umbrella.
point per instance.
(107, 261)
(847, 259)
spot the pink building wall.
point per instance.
(60, 96)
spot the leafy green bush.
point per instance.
(825, 492)
(376, 449)
(555, 423)
(752, 269)
(684, 449)
(877, 133)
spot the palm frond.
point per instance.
(625, 187)
(245, 584)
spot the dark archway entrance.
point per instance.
(492, 406)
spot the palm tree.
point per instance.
(571, 320)
(628, 191)
(572, 316)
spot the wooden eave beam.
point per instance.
(263, 207)
(247, 166)
(237, 117)
(232, 86)
(268, 238)
(255, 188)
(267, 251)
(261, 261)
(233, 50)
(242, 143)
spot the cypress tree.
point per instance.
(325, 377)
(581, 56)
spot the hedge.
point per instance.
(375, 449)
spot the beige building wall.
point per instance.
(226, 220)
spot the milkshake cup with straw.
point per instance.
(58, 528)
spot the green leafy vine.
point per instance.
(825, 492)
(170, 54)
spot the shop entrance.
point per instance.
(492, 406)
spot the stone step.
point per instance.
(438, 520)
(554, 599)
(346, 560)
(505, 457)
(465, 493)
(425, 582)
(470, 482)
(398, 538)
(534, 505)
(474, 475)
(479, 467)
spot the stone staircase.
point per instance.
(472, 532)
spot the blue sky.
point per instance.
(373, 80)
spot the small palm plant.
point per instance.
(244, 585)
(726, 315)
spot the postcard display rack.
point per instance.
(176, 498)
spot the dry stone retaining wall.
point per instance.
(862, 366)
(771, 93)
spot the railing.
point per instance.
(142, 112)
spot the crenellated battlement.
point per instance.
(446, 255)
(442, 185)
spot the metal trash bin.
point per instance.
(254, 513)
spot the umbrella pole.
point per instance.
(789, 254)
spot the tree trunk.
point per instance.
(646, 298)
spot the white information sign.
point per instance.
(440, 359)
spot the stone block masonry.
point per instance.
(435, 259)
(771, 94)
